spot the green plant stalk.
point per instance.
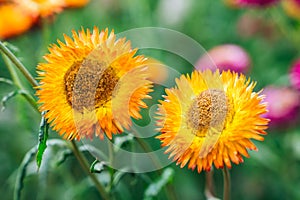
(34, 84)
(17, 82)
(209, 184)
(18, 64)
(84, 164)
(110, 161)
(226, 188)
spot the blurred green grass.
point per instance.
(271, 173)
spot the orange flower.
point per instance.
(76, 3)
(41, 8)
(13, 20)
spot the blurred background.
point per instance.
(264, 43)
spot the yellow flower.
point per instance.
(13, 20)
(209, 118)
(92, 84)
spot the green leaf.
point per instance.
(28, 158)
(155, 187)
(120, 141)
(118, 176)
(22, 172)
(7, 81)
(62, 157)
(97, 166)
(93, 151)
(8, 97)
(43, 136)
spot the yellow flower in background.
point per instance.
(13, 20)
(210, 118)
(92, 84)
(292, 8)
(76, 3)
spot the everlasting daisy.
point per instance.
(92, 84)
(210, 118)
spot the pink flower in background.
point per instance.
(224, 57)
(283, 105)
(295, 74)
(257, 2)
(251, 3)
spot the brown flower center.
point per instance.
(209, 109)
(89, 84)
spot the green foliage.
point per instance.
(22, 172)
(43, 137)
(154, 188)
(270, 173)
(8, 96)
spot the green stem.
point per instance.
(169, 189)
(110, 153)
(226, 178)
(17, 82)
(84, 164)
(110, 161)
(18, 64)
(209, 185)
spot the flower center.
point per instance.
(89, 84)
(209, 109)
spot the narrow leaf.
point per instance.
(43, 136)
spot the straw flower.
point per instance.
(209, 118)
